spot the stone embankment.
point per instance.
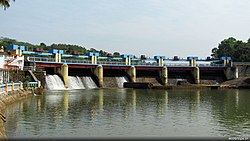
(8, 98)
(242, 82)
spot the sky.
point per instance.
(150, 27)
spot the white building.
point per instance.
(9, 62)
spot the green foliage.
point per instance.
(5, 4)
(68, 49)
(116, 54)
(6, 41)
(28, 78)
(238, 50)
(42, 44)
(103, 53)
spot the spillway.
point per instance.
(54, 82)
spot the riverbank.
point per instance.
(5, 100)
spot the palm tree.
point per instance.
(5, 3)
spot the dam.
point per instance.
(112, 71)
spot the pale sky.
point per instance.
(150, 27)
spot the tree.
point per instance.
(243, 52)
(5, 3)
(42, 44)
(103, 53)
(68, 48)
(214, 52)
(237, 49)
(116, 54)
(226, 47)
(248, 41)
(93, 50)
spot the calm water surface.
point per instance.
(131, 113)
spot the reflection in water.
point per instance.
(134, 100)
(101, 100)
(130, 113)
(234, 112)
(66, 101)
(196, 101)
(166, 98)
(38, 104)
(198, 93)
(237, 98)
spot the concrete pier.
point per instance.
(164, 76)
(132, 73)
(196, 75)
(98, 71)
(230, 73)
(236, 72)
(63, 71)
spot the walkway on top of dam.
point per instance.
(146, 64)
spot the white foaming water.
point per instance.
(54, 82)
(75, 83)
(121, 80)
(88, 82)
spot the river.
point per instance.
(129, 113)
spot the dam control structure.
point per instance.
(158, 70)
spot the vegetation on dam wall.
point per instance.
(24, 76)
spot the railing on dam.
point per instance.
(111, 63)
(4, 88)
(117, 63)
(41, 59)
(241, 63)
(52, 60)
